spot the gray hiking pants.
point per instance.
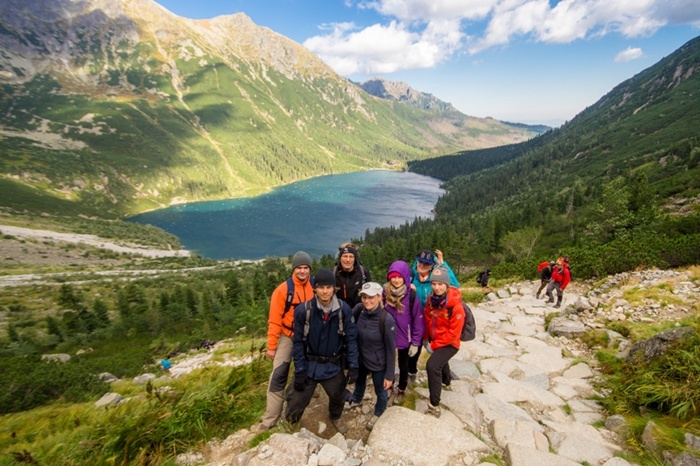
(276, 393)
(554, 286)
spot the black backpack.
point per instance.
(481, 275)
(468, 326)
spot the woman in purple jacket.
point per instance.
(400, 301)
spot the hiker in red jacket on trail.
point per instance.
(560, 278)
(444, 319)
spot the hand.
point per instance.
(352, 376)
(388, 383)
(426, 345)
(300, 381)
(412, 351)
(440, 260)
(271, 354)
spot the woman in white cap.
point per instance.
(376, 332)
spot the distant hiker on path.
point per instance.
(376, 332)
(545, 270)
(287, 296)
(421, 272)
(402, 302)
(560, 279)
(350, 275)
(442, 334)
(483, 278)
(324, 335)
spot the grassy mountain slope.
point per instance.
(115, 107)
(597, 180)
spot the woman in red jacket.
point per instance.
(561, 276)
(442, 330)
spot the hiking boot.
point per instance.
(558, 305)
(340, 425)
(537, 296)
(412, 378)
(433, 410)
(372, 422)
(352, 405)
(398, 396)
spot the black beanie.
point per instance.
(324, 277)
(348, 250)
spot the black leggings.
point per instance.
(438, 369)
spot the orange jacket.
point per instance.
(280, 322)
(441, 330)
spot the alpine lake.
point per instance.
(314, 215)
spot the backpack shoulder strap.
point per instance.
(290, 296)
(307, 306)
(412, 298)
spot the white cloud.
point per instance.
(629, 54)
(423, 33)
(380, 49)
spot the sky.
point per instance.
(526, 61)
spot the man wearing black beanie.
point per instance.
(350, 275)
(324, 334)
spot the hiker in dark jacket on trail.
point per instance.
(318, 349)
(377, 348)
(350, 275)
(545, 270)
(408, 314)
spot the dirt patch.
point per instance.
(44, 248)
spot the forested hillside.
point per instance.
(616, 188)
(114, 108)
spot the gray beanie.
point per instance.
(301, 258)
(440, 274)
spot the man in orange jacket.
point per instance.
(279, 334)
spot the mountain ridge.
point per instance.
(116, 107)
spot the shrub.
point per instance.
(35, 382)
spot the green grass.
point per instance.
(150, 428)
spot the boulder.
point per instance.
(424, 439)
(57, 357)
(563, 327)
(655, 346)
(109, 399)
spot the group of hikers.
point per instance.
(339, 328)
(554, 275)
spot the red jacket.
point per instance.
(562, 275)
(441, 330)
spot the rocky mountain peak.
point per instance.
(402, 92)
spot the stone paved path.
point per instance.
(523, 395)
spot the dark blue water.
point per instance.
(315, 215)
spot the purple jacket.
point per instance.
(410, 324)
